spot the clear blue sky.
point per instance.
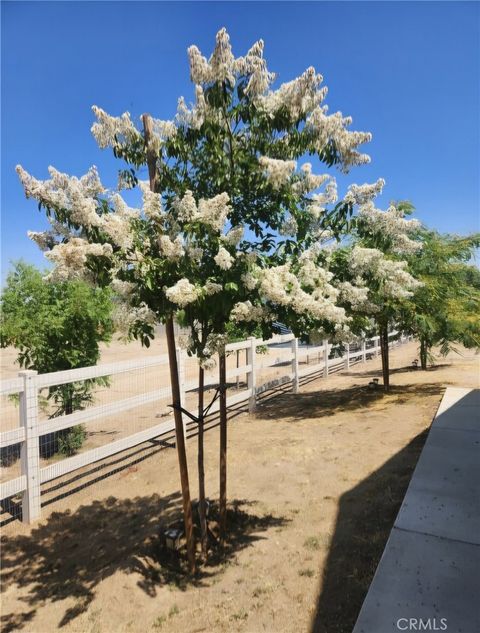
(406, 71)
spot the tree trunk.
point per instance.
(201, 465)
(423, 353)
(180, 442)
(383, 333)
(172, 356)
(223, 446)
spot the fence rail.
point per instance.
(29, 383)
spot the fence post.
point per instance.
(347, 358)
(295, 365)
(252, 377)
(364, 350)
(29, 452)
(325, 358)
(181, 379)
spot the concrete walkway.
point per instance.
(428, 578)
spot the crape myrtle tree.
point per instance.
(444, 310)
(55, 326)
(225, 215)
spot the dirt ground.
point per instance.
(315, 482)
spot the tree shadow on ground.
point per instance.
(403, 370)
(72, 552)
(328, 402)
(365, 517)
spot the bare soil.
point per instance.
(315, 482)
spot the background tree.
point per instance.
(56, 326)
(445, 309)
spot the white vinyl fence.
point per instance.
(284, 352)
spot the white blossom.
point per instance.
(109, 131)
(361, 194)
(289, 227)
(70, 258)
(171, 249)
(161, 131)
(298, 97)
(391, 224)
(277, 172)
(223, 259)
(254, 66)
(182, 293)
(43, 239)
(307, 181)
(213, 211)
(234, 236)
(123, 288)
(325, 128)
(152, 202)
(193, 117)
(194, 253)
(392, 277)
(76, 196)
(246, 311)
(185, 208)
(125, 316)
(212, 288)
(249, 281)
(318, 201)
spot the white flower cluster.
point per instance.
(223, 259)
(122, 288)
(195, 116)
(43, 239)
(289, 227)
(393, 278)
(307, 181)
(254, 66)
(298, 97)
(152, 202)
(223, 66)
(362, 194)
(280, 286)
(171, 249)
(392, 224)
(277, 172)
(215, 344)
(214, 211)
(110, 131)
(356, 295)
(70, 258)
(318, 201)
(161, 132)
(118, 225)
(325, 128)
(125, 316)
(182, 293)
(75, 195)
(249, 280)
(245, 311)
(234, 236)
(212, 288)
